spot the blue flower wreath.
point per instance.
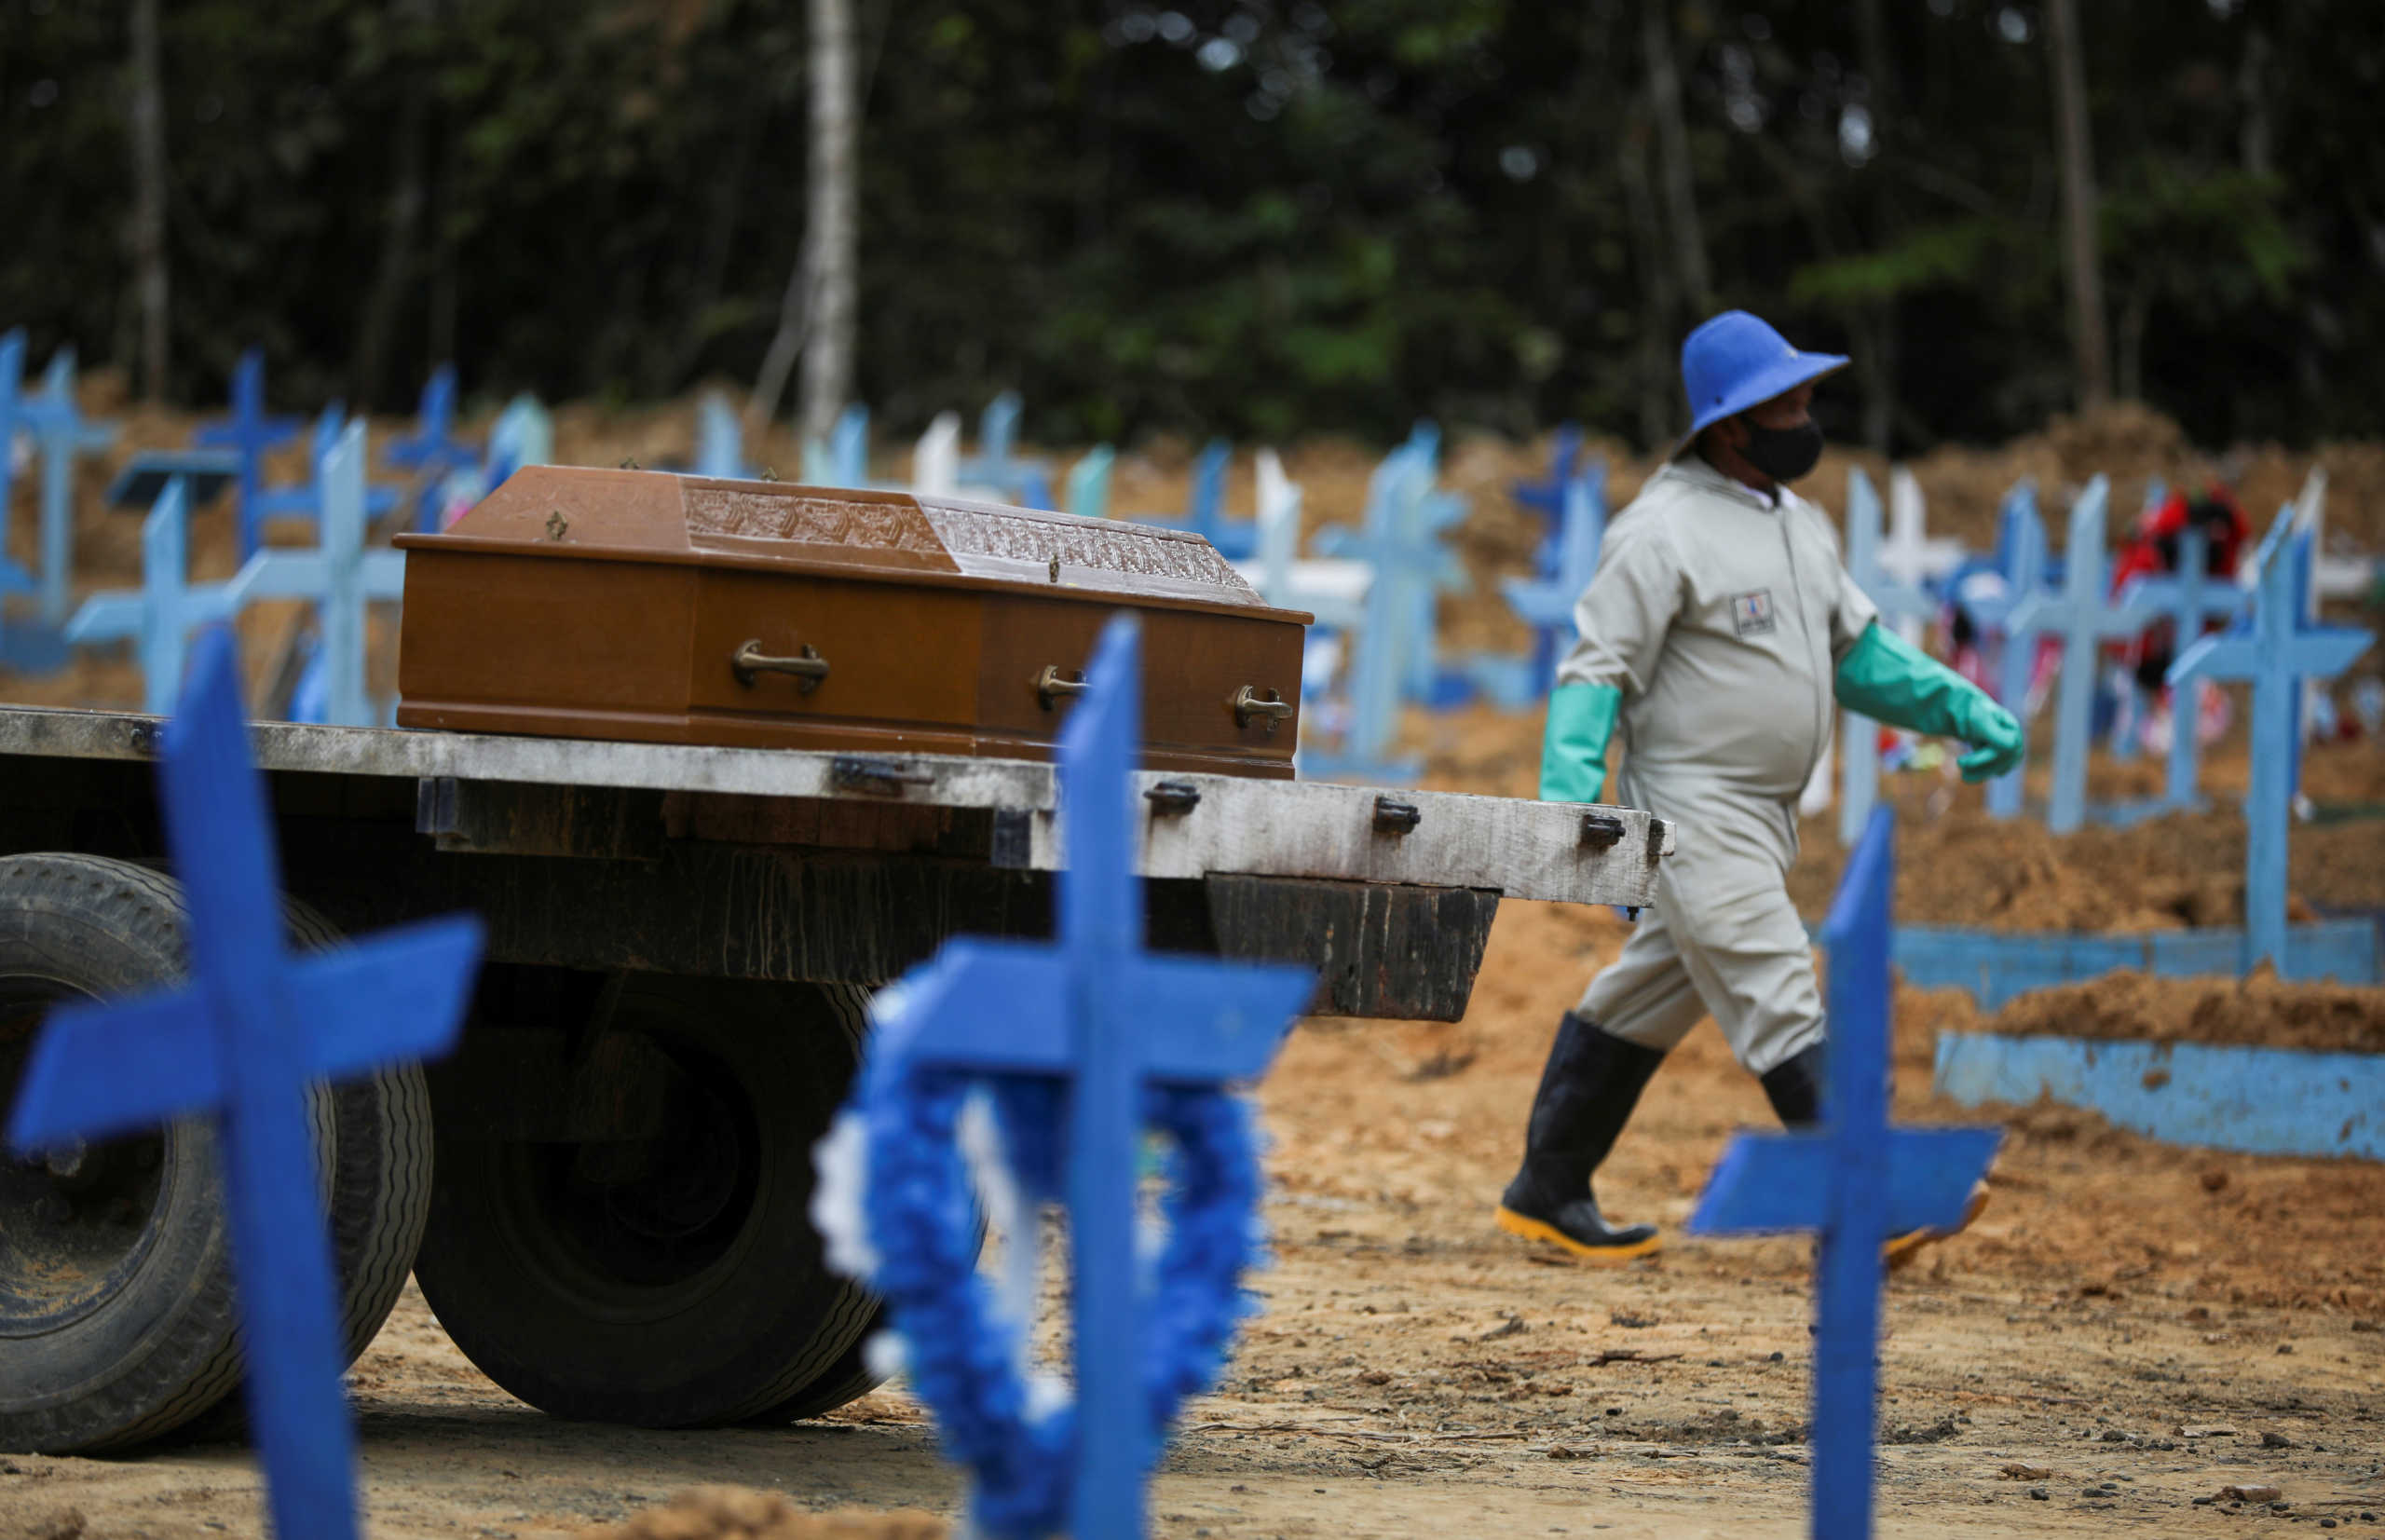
(923, 1225)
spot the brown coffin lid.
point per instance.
(656, 516)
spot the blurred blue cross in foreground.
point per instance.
(1857, 1180)
(1093, 1007)
(243, 1041)
(2276, 653)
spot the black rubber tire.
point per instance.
(380, 1190)
(565, 1293)
(153, 1343)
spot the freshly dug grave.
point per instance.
(2260, 1012)
(741, 1513)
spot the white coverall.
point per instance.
(1721, 614)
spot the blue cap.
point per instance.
(1735, 361)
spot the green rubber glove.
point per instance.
(1572, 748)
(1890, 680)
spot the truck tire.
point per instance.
(380, 1192)
(678, 1283)
(116, 1309)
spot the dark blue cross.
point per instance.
(1204, 515)
(2083, 615)
(1095, 1008)
(995, 467)
(1898, 601)
(2189, 598)
(13, 579)
(2277, 651)
(249, 433)
(243, 1041)
(1546, 603)
(1857, 1180)
(2020, 559)
(432, 451)
(1548, 497)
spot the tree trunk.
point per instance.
(1659, 390)
(2089, 345)
(392, 275)
(831, 240)
(147, 231)
(1672, 156)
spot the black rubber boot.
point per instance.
(1795, 1087)
(1592, 1080)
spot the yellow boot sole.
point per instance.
(1900, 1250)
(1536, 1230)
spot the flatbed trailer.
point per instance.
(681, 944)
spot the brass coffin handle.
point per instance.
(808, 666)
(1050, 687)
(1248, 703)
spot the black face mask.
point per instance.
(1783, 453)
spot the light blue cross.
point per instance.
(2276, 651)
(522, 434)
(1094, 1008)
(2082, 615)
(432, 451)
(844, 460)
(160, 617)
(720, 441)
(13, 579)
(996, 466)
(1857, 1180)
(305, 500)
(249, 434)
(1858, 736)
(1088, 483)
(340, 576)
(1546, 603)
(63, 432)
(2189, 598)
(241, 1042)
(2021, 553)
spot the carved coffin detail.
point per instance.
(642, 606)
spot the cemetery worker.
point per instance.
(1718, 628)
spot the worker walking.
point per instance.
(1715, 634)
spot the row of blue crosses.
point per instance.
(340, 576)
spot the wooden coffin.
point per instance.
(639, 604)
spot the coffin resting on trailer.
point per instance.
(648, 606)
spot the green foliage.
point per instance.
(1245, 216)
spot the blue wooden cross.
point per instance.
(432, 451)
(2276, 651)
(1236, 540)
(305, 500)
(13, 579)
(160, 617)
(1096, 1009)
(522, 434)
(2082, 615)
(996, 468)
(340, 576)
(242, 1042)
(720, 441)
(2021, 554)
(1088, 485)
(2189, 598)
(1857, 1180)
(1897, 602)
(63, 432)
(249, 433)
(1548, 497)
(1546, 603)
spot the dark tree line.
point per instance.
(1253, 216)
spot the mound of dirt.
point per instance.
(2261, 1011)
(741, 1513)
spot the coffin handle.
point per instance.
(808, 666)
(1050, 687)
(1248, 703)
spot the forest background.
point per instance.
(1252, 217)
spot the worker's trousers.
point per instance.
(1721, 938)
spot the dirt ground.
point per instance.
(2131, 1326)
